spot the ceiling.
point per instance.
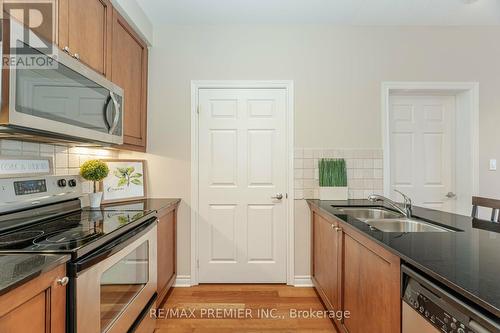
(339, 12)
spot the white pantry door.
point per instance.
(422, 143)
(242, 166)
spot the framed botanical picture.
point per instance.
(126, 181)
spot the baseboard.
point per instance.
(302, 281)
(182, 281)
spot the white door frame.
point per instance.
(195, 87)
(467, 101)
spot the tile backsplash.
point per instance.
(364, 171)
(67, 160)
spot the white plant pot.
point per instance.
(334, 193)
(95, 199)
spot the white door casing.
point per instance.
(422, 145)
(243, 161)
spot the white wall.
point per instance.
(136, 17)
(337, 74)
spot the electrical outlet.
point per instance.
(493, 164)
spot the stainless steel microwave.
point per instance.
(60, 100)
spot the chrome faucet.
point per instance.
(406, 210)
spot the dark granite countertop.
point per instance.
(148, 204)
(17, 269)
(467, 262)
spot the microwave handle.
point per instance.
(112, 248)
(117, 113)
(105, 112)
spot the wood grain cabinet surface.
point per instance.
(130, 71)
(85, 30)
(39, 306)
(325, 264)
(355, 275)
(166, 252)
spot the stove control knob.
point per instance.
(460, 330)
(72, 183)
(61, 183)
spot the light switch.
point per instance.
(493, 164)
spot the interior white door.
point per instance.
(242, 168)
(422, 150)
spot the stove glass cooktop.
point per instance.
(70, 232)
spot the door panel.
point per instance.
(422, 136)
(85, 27)
(242, 157)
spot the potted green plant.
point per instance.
(333, 179)
(95, 171)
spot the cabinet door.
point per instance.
(325, 260)
(166, 253)
(85, 29)
(370, 287)
(129, 71)
(39, 306)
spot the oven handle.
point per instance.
(111, 248)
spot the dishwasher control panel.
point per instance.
(435, 314)
(440, 307)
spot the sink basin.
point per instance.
(405, 225)
(362, 213)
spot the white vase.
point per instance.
(334, 193)
(95, 199)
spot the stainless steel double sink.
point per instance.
(390, 221)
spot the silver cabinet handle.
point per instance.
(450, 195)
(278, 196)
(116, 119)
(66, 49)
(63, 281)
(76, 56)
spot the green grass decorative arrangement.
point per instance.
(332, 173)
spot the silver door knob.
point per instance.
(278, 196)
(63, 281)
(450, 195)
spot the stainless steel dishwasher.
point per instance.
(429, 308)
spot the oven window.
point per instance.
(121, 283)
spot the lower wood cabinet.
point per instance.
(355, 275)
(370, 286)
(166, 252)
(326, 252)
(39, 306)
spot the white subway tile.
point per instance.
(308, 163)
(11, 145)
(298, 153)
(73, 161)
(378, 163)
(378, 173)
(368, 163)
(308, 153)
(44, 148)
(31, 147)
(298, 163)
(61, 160)
(308, 174)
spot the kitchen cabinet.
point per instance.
(353, 274)
(39, 306)
(326, 247)
(129, 70)
(166, 251)
(370, 286)
(85, 32)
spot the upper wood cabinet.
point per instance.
(37, 306)
(129, 70)
(85, 30)
(326, 259)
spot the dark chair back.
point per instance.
(494, 204)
